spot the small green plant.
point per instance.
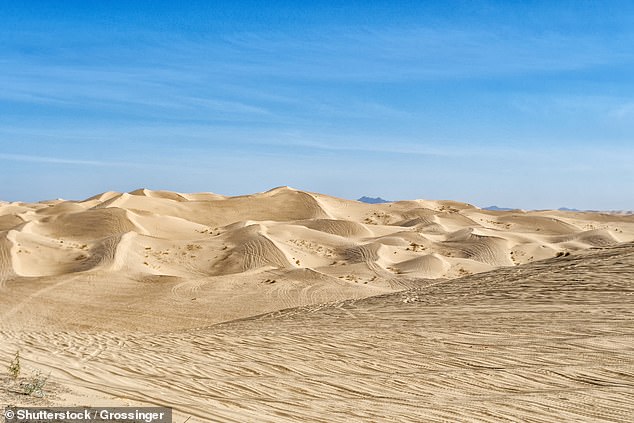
(34, 385)
(14, 366)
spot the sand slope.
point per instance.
(288, 306)
(548, 341)
(209, 258)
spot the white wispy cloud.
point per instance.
(67, 161)
(424, 53)
(597, 106)
(179, 72)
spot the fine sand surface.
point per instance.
(293, 306)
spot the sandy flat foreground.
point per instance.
(293, 306)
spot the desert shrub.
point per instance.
(14, 366)
(34, 385)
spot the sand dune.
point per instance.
(341, 310)
(125, 239)
(548, 341)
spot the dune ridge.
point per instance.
(278, 248)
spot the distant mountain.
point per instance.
(370, 200)
(565, 209)
(597, 211)
(496, 208)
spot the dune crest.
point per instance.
(244, 255)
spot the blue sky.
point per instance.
(520, 104)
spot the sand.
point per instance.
(296, 306)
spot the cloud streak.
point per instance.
(65, 161)
(171, 67)
(423, 53)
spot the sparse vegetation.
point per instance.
(34, 385)
(416, 247)
(378, 218)
(463, 272)
(15, 367)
